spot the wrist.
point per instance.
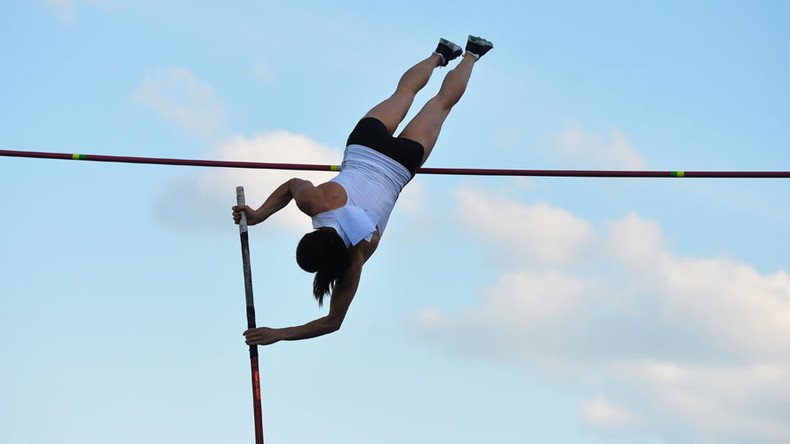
(256, 216)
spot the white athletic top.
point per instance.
(373, 182)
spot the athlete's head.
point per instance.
(324, 253)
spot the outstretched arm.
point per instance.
(342, 295)
(279, 198)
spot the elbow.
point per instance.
(333, 324)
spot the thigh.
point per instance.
(425, 127)
(392, 111)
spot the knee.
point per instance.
(404, 94)
(444, 101)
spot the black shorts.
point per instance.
(372, 133)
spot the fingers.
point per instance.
(249, 338)
(252, 336)
(260, 336)
(238, 210)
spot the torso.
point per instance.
(333, 197)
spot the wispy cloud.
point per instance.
(675, 344)
(180, 98)
(580, 149)
(264, 73)
(65, 10)
(602, 413)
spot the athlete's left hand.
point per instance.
(262, 336)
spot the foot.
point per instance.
(448, 50)
(478, 46)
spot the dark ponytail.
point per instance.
(324, 253)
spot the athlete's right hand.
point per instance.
(252, 217)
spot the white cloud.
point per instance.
(692, 346)
(181, 99)
(202, 201)
(536, 233)
(728, 306)
(634, 241)
(580, 149)
(736, 403)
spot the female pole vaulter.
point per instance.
(350, 212)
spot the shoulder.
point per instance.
(310, 199)
(314, 200)
(304, 194)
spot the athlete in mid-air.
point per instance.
(350, 212)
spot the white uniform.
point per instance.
(373, 182)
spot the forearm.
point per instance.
(279, 198)
(318, 327)
(342, 295)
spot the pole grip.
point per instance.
(240, 201)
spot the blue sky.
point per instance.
(495, 310)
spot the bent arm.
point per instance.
(279, 198)
(342, 295)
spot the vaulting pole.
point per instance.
(256, 376)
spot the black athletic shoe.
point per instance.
(448, 50)
(478, 46)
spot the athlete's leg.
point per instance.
(392, 110)
(426, 125)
